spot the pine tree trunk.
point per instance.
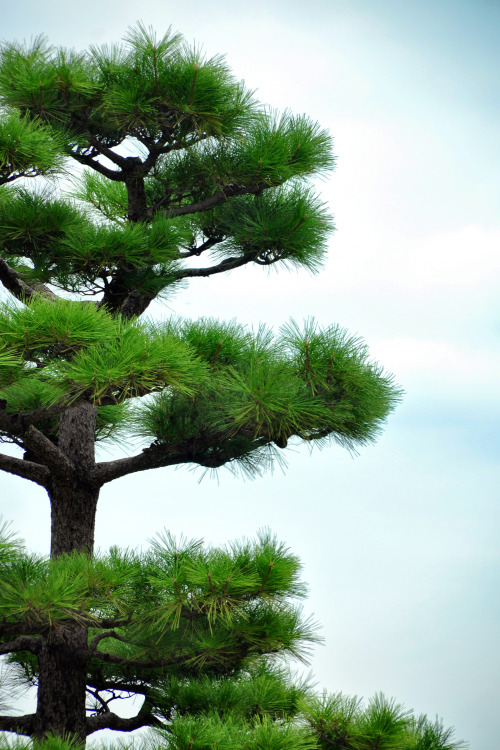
(62, 685)
(73, 508)
(74, 500)
(62, 672)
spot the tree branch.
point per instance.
(44, 412)
(120, 161)
(126, 687)
(42, 627)
(26, 469)
(22, 290)
(225, 265)
(20, 724)
(214, 200)
(110, 720)
(88, 161)
(51, 455)
(23, 643)
(88, 654)
(199, 250)
(107, 634)
(155, 457)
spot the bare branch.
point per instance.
(88, 161)
(20, 724)
(120, 161)
(110, 720)
(201, 248)
(155, 457)
(126, 687)
(106, 634)
(23, 643)
(225, 265)
(26, 469)
(97, 697)
(22, 290)
(214, 200)
(42, 627)
(50, 454)
(88, 654)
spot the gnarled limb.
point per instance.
(23, 643)
(27, 469)
(228, 264)
(156, 456)
(42, 627)
(210, 242)
(110, 720)
(36, 442)
(125, 687)
(104, 656)
(20, 289)
(20, 724)
(89, 161)
(50, 454)
(214, 200)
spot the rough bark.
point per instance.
(73, 509)
(134, 182)
(22, 290)
(33, 471)
(62, 685)
(62, 663)
(73, 497)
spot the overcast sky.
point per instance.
(400, 544)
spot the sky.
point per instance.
(400, 543)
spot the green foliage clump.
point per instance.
(199, 633)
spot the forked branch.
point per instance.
(20, 289)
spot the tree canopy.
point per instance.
(126, 171)
(152, 156)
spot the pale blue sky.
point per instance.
(400, 545)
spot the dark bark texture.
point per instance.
(61, 664)
(73, 497)
(62, 685)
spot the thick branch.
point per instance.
(155, 457)
(26, 469)
(110, 720)
(22, 290)
(214, 200)
(22, 627)
(20, 724)
(225, 265)
(120, 161)
(16, 422)
(88, 654)
(23, 643)
(57, 462)
(88, 161)
(126, 687)
(42, 627)
(44, 412)
(201, 248)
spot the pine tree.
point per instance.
(178, 172)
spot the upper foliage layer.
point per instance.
(179, 162)
(171, 142)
